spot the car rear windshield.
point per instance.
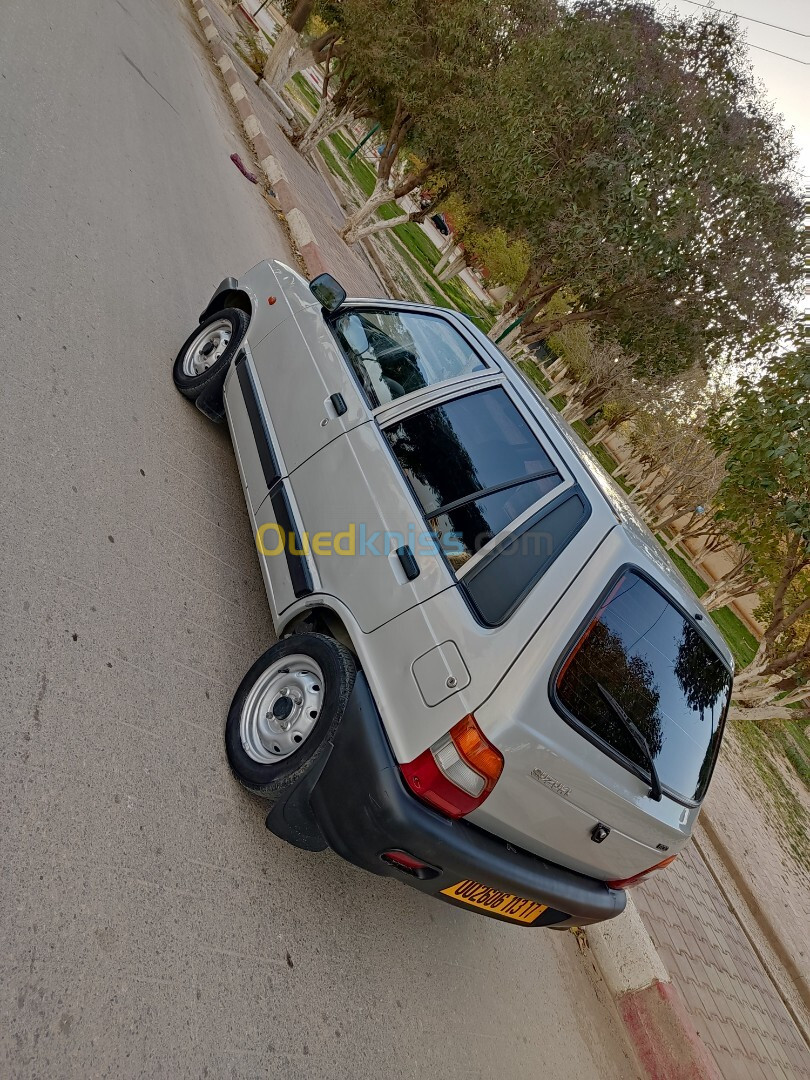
(642, 652)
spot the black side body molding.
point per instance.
(267, 457)
(293, 552)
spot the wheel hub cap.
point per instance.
(281, 709)
(206, 348)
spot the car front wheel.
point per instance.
(286, 709)
(203, 361)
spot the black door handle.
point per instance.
(409, 563)
(339, 404)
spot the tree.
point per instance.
(635, 154)
(347, 103)
(425, 66)
(291, 53)
(503, 260)
(764, 502)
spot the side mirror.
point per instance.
(329, 293)
(354, 333)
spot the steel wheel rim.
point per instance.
(206, 348)
(281, 709)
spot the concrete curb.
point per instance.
(665, 1039)
(284, 195)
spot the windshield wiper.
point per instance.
(631, 729)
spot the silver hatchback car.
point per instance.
(490, 681)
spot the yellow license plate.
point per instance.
(494, 901)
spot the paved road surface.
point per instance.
(151, 927)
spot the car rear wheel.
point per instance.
(203, 361)
(285, 711)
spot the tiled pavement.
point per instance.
(314, 196)
(726, 990)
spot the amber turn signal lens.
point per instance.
(476, 751)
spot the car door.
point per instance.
(369, 541)
(306, 392)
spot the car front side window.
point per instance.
(394, 353)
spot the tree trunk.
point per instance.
(382, 194)
(600, 434)
(504, 319)
(279, 67)
(625, 466)
(529, 297)
(453, 267)
(327, 120)
(379, 197)
(447, 255)
(381, 226)
(552, 324)
(391, 223)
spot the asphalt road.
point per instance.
(151, 927)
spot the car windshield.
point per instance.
(662, 672)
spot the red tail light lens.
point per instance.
(628, 883)
(457, 772)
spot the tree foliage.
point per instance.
(635, 154)
(764, 502)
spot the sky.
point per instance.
(786, 83)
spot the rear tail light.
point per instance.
(628, 883)
(457, 772)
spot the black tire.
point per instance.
(208, 384)
(338, 668)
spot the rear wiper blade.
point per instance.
(631, 729)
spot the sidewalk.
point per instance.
(725, 988)
(313, 194)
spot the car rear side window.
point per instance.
(656, 666)
(503, 578)
(395, 353)
(474, 465)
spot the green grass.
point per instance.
(419, 245)
(306, 90)
(467, 302)
(794, 821)
(332, 162)
(361, 172)
(534, 374)
(798, 757)
(605, 458)
(438, 298)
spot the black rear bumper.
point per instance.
(356, 803)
